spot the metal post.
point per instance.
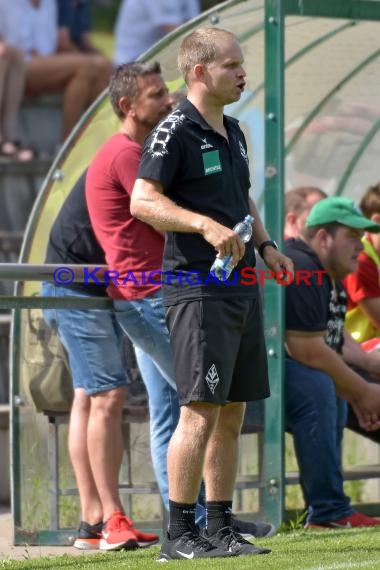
(273, 460)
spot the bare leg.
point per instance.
(222, 453)
(67, 73)
(105, 446)
(103, 69)
(187, 450)
(91, 507)
(13, 77)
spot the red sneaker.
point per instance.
(117, 534)
(352, 521)
(144, 539)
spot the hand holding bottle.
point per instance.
(223, 266)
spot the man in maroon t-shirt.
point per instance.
(133, 250)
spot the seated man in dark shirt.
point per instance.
(319, 378)
(298, 203)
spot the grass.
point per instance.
(296, 550)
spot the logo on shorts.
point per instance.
(212, 378)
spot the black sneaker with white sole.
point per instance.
(232, 542)
(89, 536)
(189, 546)
(251, 530)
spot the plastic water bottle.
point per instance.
(222, 266)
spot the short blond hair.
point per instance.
(200, 46)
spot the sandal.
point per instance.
(14, 150)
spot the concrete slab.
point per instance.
(10, 552)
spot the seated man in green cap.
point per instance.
(319, 380)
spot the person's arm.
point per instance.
(351, 108)
(273, 258)
(310, 349)
(352, 125)
(259, 233)
(354, 355)
(149, 204)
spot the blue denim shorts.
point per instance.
(143, 320)
(93, 341)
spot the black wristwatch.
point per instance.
(264, 245)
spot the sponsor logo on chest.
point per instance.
(211, 162)
(206, 145)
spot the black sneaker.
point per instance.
(232, 542)
(89, 536)
(251, 530)
(188, 546)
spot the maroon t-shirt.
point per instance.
(132, 248)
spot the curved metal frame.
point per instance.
(325, 99)
(356, 157)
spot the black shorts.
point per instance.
(219, 350)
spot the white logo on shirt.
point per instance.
(243, 152)
(335, 324)
(206, 145)
(212, 378)
(162, 134)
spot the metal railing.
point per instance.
(44, 272)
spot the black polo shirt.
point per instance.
(201, 171)
(313, 304)
(72, 239)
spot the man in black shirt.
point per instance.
(318, 374)
(194, 184)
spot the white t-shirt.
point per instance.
(28, 28)
(140, 24)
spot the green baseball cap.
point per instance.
(342, 211)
